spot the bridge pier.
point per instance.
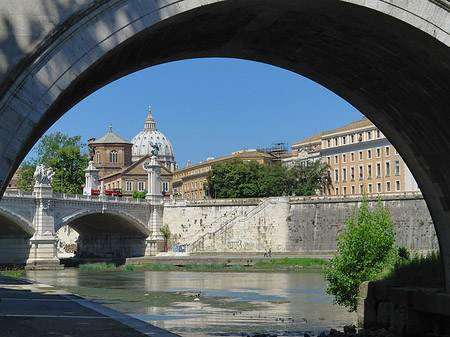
(43, 250)
(155, 241)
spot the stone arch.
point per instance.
(134, 224)
(15, 223)
(388, 59)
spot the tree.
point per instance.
(165, 231)
(235, 179)
(365, 247)
(63, 154)
(311, 178)
(274, 181)
(69, 165)
(25, 176)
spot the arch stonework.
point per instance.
(23, 224)
(137, 224)
(390, 59)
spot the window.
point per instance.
(397, 167)
(397, 185)
(336, 159)
(388, 186)
(336, 191)
(352, 156)
(200, 194)
(378, 170)
(378, 134)
(113, 156)
(353, 189)
(360, 154)
(336, 175)
(98, 158)
(352, 173)
(328, 160)
(352, 139)
(386, 151)
(388, 169)
(369, 188)
(360, 137)
(344, 174)
(335, 142)
(369, 171)
(345, 190)
(129, 185)
(328, 143)
(141, 185)
(369, 135)
(378, 152)
(369, 154)
(361, 172)
(165, 186)
(379, 187)
(344, 158)
(361, 189)
(343, 140)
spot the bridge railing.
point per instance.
(18, 194)
(66, 196)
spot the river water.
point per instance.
(210, 304)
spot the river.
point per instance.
(210, 304)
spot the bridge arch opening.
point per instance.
(15, 234)
(394, 73)
(103, 235)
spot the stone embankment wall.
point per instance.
(404, 311)
(284, 224)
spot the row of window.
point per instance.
(351, 156)
(352, 138)
(370, 188)
(113, 157)
(197, 171)
(194, 195)
(129, 186)
(194, 185)
(351, 173)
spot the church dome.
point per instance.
(141, 144)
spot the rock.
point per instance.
(334, 332)
(350, 329)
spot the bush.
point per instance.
(365, 247)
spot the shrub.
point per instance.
(365, 247)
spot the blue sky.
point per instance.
(211, 107)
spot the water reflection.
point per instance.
(288, 304)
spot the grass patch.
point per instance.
(129, 267)
(291, 264)
(205, 267)
(12, 273)
(158, 266)
(97, 266)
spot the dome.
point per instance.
(141, 146)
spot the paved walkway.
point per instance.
(30, 309)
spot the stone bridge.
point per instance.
(108, 226)
(388, 58)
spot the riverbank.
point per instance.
(34, 309)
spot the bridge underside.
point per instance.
(108, 235)
(394, 73)
(14, 242)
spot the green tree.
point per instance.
(365, 247)
(274, 181)
(62, 153)
(68, 164)
(235, 179)
(25, 179)
(311, 178)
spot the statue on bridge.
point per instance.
(91, 153)
(156, 147)
(43, 176)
